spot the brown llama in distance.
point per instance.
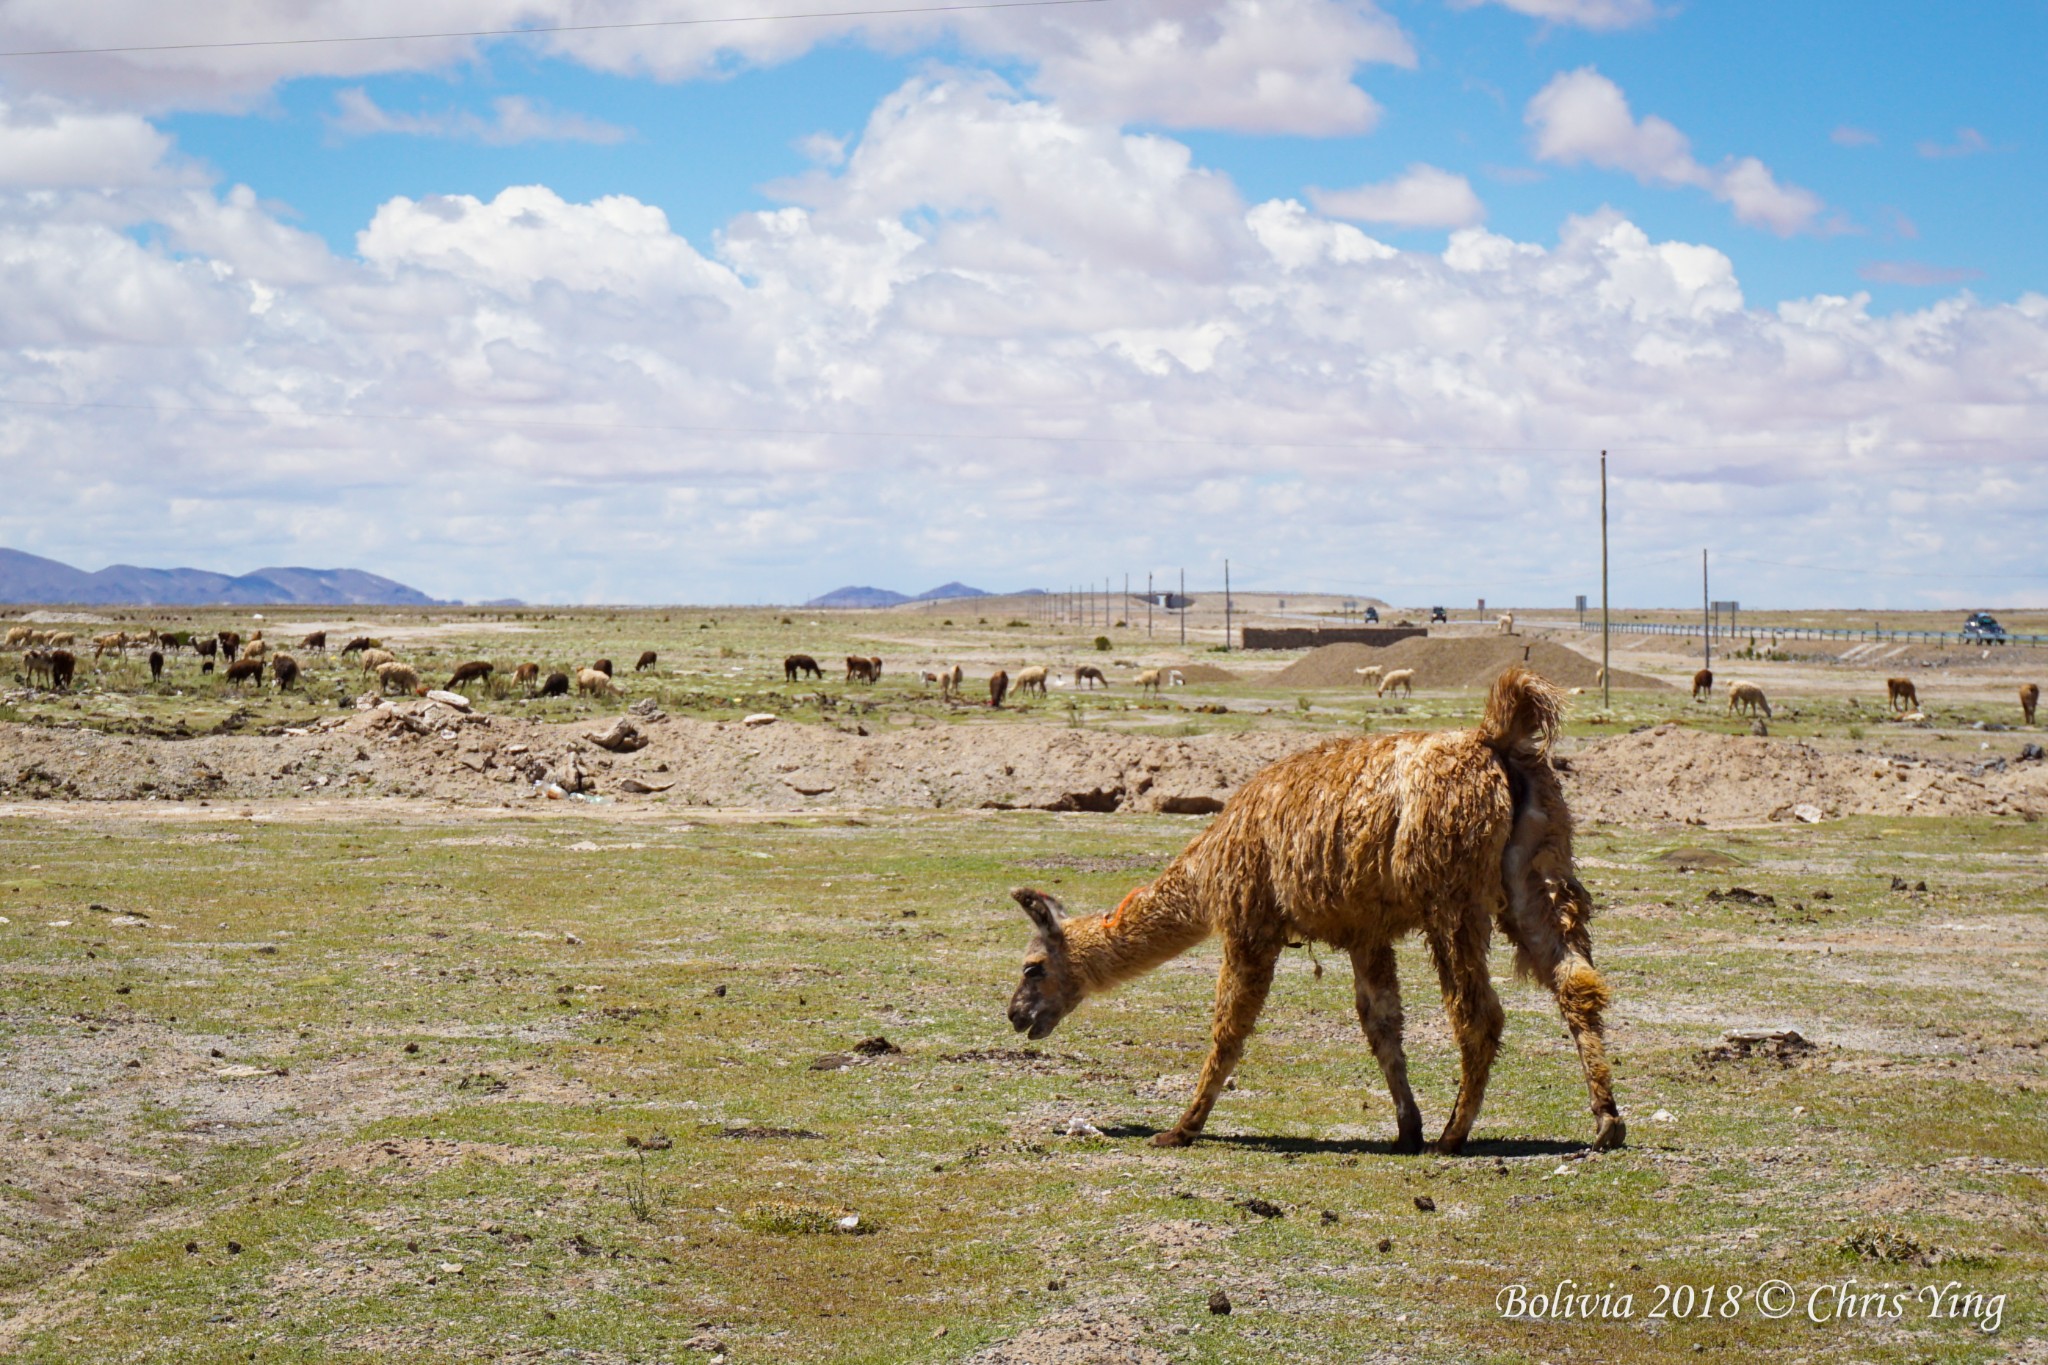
(2030, 697)
(1900, 694)
(1358, 843)
(1703, 684)
(998, 688)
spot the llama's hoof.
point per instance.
(1612, 1133)
(1448, 1145)
(1172, 1137)
(1408, 1144)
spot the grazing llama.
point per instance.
(1703, 684)
(1402, 678)
(1901, 695)
(998, 688)
(1358, 843)
(2030, 697)
(1747, 697)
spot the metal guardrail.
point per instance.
(1777, 634)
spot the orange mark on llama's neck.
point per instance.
(1115, 917)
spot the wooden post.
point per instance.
(1706, 631)
(1226, 606)
(1606, 673)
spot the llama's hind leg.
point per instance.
(1476, 1018)
(1241, 987)
(1378, 994)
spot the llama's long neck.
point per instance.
(1154, 924)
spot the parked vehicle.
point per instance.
(1437, 614)
(1372, 616)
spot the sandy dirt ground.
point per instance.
(419, 749)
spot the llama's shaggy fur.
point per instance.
(1901, 695)
(1403, 678)
(2030, 697)
(1703, 684)
(1358, 843)
(1029, 680)
(1748, 697)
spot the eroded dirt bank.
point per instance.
(422, 750)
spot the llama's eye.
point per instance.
(1034, 969)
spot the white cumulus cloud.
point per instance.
(1582, 117)
(1592, 14)
(994, 343)
(1261, 66)
(1422, 196)
(513, 119)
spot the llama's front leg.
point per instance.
(1581, 997)
(1476, 1018)
(1241, 988)
(1378, 994)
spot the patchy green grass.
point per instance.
(310, 1090)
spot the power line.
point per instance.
(550, 28)
(1055, 438)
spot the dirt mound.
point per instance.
(1667, 774)
(1672, 773)
(1474, 661)
(1204, 673)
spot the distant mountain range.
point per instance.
(31, 578)
(882, 597)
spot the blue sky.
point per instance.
(778, 306)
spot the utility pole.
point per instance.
(1127, 598)
(1226, 606)
(1183, 607)
(1606, 678)
(1706, 629)
(1148, 605)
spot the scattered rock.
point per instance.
(1808, 814)
(877, 1046)
(1425, 1203)
(454, 701)
(653, 1142)
(642, 788)
(760, 718)
(621, 737)
(1080, 1127)
(1264, 1208)
(1219, 1304)
(1742, 895)
(1386, 1244)
(833, 1061)
(1663, 1116)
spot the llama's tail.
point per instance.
(1523, 713)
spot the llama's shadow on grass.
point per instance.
(1477, 1148)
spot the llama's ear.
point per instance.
(1045, 911)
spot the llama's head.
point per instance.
(1050, 988)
